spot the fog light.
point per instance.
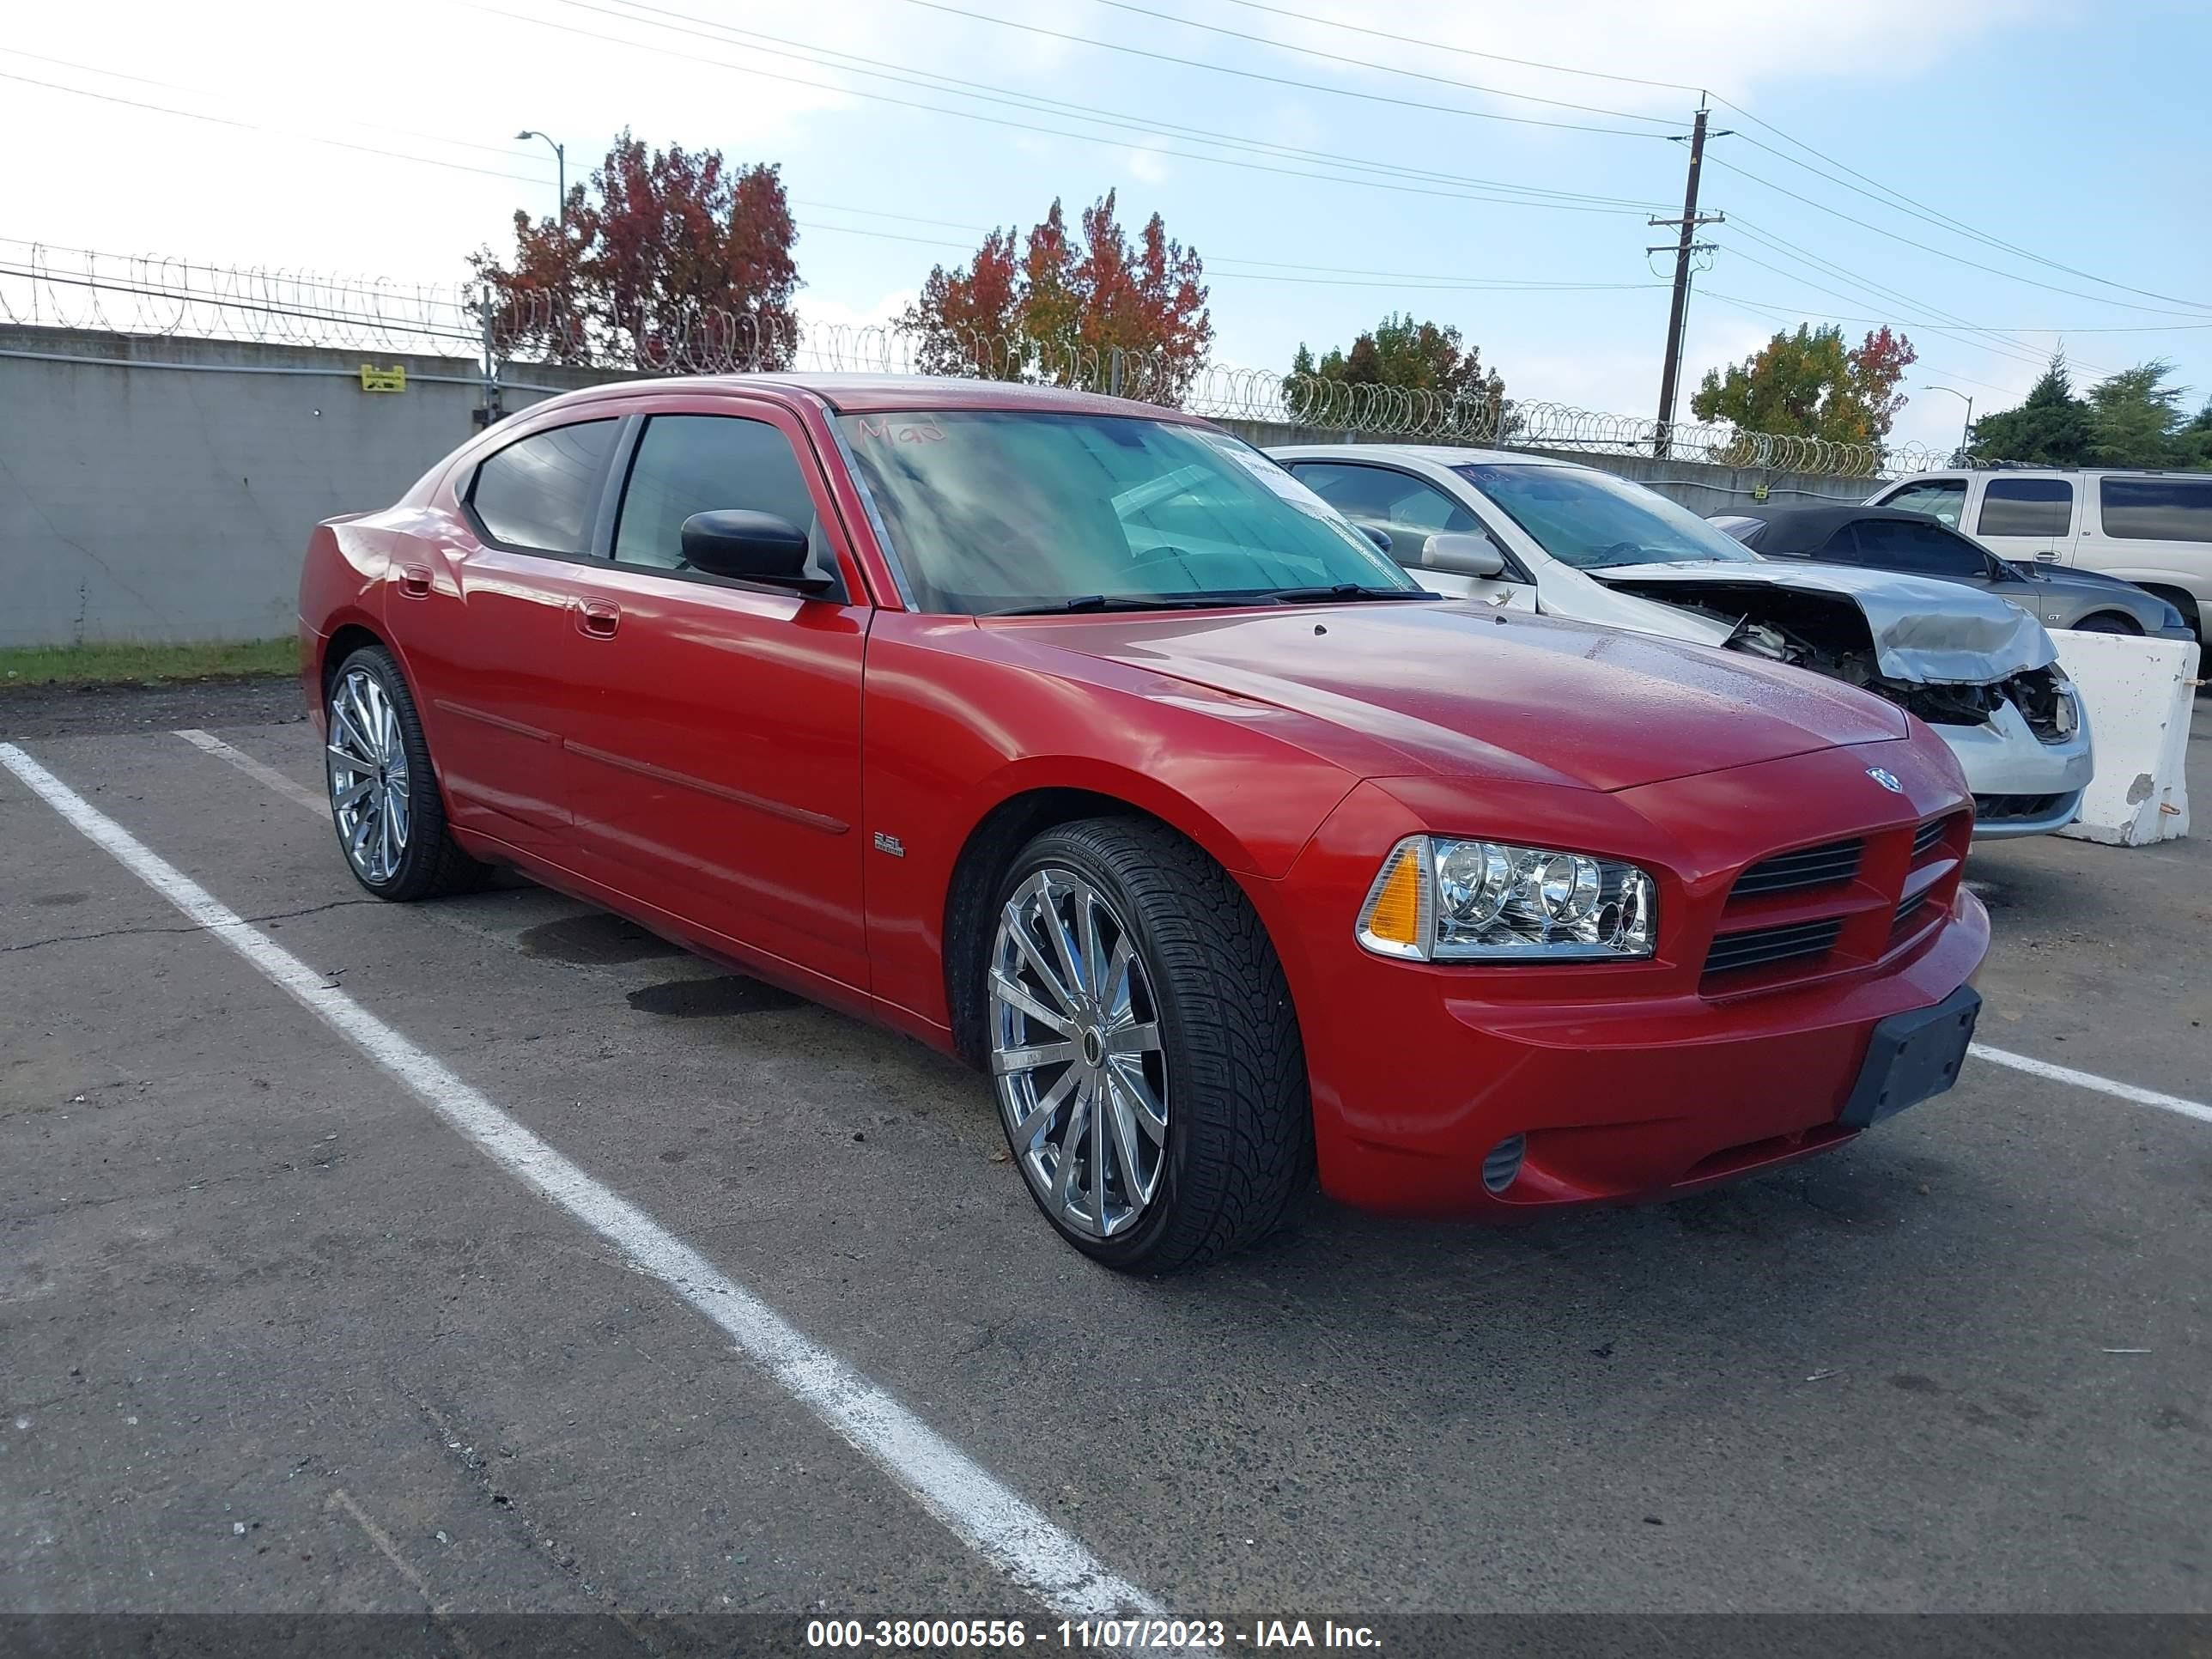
(1502, 1168)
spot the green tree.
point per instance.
(1420, 357)
(2132, 418)
(2138, 417)
(1810, 384)
(2194, 441)
(2052, 428)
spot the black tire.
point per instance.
(1239, 1143)
(2105, 621)
(431, 864)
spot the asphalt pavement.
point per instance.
(275, 1336)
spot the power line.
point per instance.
(506, 150)
(2006, 345)
(1279, 79)
(252, 126)
(1464, 52)
(1023, 127)
(1425, 282)
(1986, 340)
(1782, 315)
(1385, 69)
(1033, 103)
(1889, 196)
(1941, 253)
(2016, 328)
(1898, 201)
(1213, 273)
(1421, 279)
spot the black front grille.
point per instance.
(1907, 910)
(1810, 866)
(1759, 946)
(2003, 809)
(1928, 836)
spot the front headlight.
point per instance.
(1439, 899)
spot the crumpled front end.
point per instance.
(1982, 673)
(1918, 630)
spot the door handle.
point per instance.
(599, 618)
(414, 582)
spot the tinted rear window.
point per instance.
(543, 491)
(1923, 550)
(2156, 509)
(2026, 506)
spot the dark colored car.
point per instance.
(1087, 743)
(1915, 544)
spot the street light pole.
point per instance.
(559, 170)
(1966, 432)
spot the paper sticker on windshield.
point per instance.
(1277, 478)
(884, 429)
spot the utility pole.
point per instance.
(1684, 248)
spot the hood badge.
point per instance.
(1887, 779)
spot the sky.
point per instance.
(1993, 180)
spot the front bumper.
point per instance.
(2021, 785)
(1627, 1080)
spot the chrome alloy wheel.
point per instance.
(1076, 1055)
(366, 760)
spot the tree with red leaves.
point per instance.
(1058, 307)
(663, 260)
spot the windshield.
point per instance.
(1005, 510)
(1592, 519)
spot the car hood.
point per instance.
(2071, 576)
(1931, 632)
(1465, 690)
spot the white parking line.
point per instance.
(993, 1520)
(254, 769)
(2044, 1068)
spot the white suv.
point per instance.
(2153, 529)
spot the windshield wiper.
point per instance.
(1123, 602)
(1342, 593)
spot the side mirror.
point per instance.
(1461, 555)
(752, 547)
(1377, 534)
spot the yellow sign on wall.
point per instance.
(373, 379)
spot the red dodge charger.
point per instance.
(1084, 742)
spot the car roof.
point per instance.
(1802, 529)
(866, 394)
(1436, 454)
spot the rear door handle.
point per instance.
(414, 582)
(599, 618)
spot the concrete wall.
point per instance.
(170, 499)
(162, 490)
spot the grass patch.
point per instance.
(24, 666)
